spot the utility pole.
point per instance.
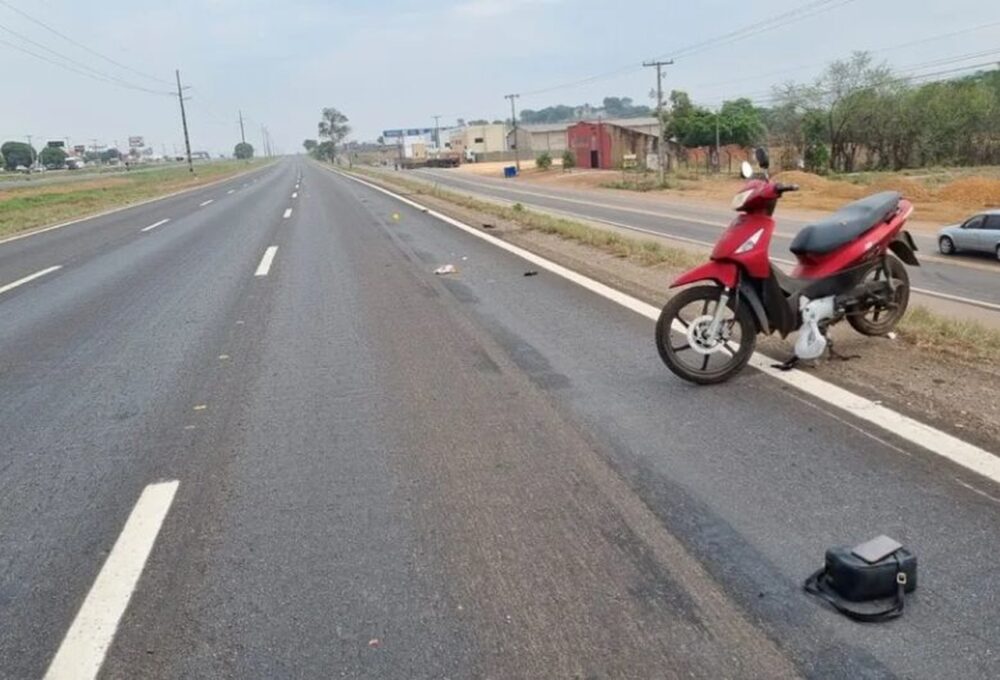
(513, 122)
(184, 122)
(31, 152)
(243, 135)
(437, 134)
(718, 155)
(662, 146)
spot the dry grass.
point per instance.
(965, 339)
(24, 208)
(644, 252)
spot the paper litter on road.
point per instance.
(446, 269)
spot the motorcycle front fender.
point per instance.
(726, 274)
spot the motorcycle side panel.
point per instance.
(725, 274)
(756, 262)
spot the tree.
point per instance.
(479, 121)
(333, 126)
(17, 153)
(109, 155)
(325, 151)
(310, 145)
(569, 160)
(52, 155)
(544, 161)
(740, 123)
(243, 151)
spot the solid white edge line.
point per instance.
(683, 239)
(155, 225)
(30, 277)
(112, 211)
(86, 643)
(941, 443)
(265, 262)
(288, 213)
(204, 203)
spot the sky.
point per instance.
(397, 63)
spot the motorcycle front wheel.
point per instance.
(881, 317)
(688, 348)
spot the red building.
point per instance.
(604, 145)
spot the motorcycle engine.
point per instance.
(811, 342)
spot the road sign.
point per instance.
(56, 144)
(136, 142)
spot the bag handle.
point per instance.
(814, 587)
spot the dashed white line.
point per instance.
(265, 262)
(155, 225)
(90, 635)
(288, 213)
(30, 277)
(967, 455)
(202, 205)
(295, 194)
(231, 191)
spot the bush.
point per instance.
(569, 160)
(544, 161)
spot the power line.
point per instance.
(81, 45)
(878, 50)
(798, 14)
(79, 71)
(72, 65)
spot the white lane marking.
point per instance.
(230, 191)
(295, 194)
(155, 225)
(941, 443)
(83, 649)
(265, 262)
(288, 213)
(924, 291)
(30, 277)
(203, 204)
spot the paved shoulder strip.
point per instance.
(941, 443)
(83, 649)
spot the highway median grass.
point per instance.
(24, 208)
(921, 328)
(645, 252)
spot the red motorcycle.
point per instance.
(850, 266)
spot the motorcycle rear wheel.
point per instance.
(716, 360)
(879, 319)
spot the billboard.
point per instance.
(56, 144)
(136, 142)
(408, 132)
(79, 149)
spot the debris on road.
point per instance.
(487, 225)
(531, 272)
(375, 642)
(446, 269)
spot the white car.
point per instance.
(980, 233)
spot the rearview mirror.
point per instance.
(762, 160)
(746, 170)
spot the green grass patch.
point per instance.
(966, 339)
(27, 207)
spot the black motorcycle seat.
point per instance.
(846, 224)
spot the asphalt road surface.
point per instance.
(959, 278)
(272, 441)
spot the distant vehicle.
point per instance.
(979, 233)
(74, 163)
(22, 168)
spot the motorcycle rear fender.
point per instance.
(726, 274)
(904, 248)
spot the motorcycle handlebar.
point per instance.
(782, 188)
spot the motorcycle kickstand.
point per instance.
(787, 365)
(837, 355)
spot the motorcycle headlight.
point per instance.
(741, 198)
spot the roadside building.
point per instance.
(608, 146)
(534, 139)
(479, 140)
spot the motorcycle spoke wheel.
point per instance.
(879, 318)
